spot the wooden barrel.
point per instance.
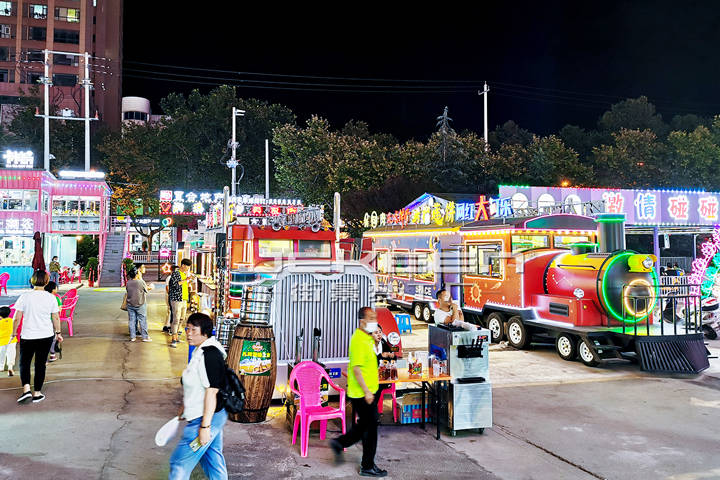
(252, 356)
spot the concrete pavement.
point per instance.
(553, 419)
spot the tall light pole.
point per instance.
(484, 93)
(46, 110)
(236, 112)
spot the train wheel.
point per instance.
(417, 311)
(427, 314)
(495, 325)
(517, 333)
(566, 346)
(587, 353)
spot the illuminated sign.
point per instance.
(19, 159)
(180, 202)
(705, 268)
(164, 252)
(437, 214)
(17, 226)
(641, 206)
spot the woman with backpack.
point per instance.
(203, 407)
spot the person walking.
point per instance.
(54, 269)
(204, 376)
(169, 317)
(39, 313)
(362, 388)
(179, 293)
(8, 344)
(137, 291)
(51, 288)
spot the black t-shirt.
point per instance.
(215, 368)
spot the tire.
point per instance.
(496, 324)
(517, 334)
(586, 353)
(417, 311)
(566, 346)
(427, 314)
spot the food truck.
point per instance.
(534, 274)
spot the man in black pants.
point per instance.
(363, 384)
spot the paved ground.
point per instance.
(553, 419)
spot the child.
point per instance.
(51, 287)
(7, 348)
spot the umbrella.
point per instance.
(38, 262)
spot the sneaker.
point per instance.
(25, 397)
(38, 398)
(132, 339)
(10, 372)
(173, 344)
(148, 339)
(166, 329)
(373, 472)
(52, 357)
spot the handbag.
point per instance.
(124, 303)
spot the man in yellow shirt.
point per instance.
(362, 389)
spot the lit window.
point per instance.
(275, 248)
(565, 241)
(67, 14)
(37, 11)
(6, 9)
(520, 243)
(314, 249)
(425, 266)
(484, 259)
(17, 199)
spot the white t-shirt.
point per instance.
(37, 307)
(441, 315)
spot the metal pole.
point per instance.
(86, 84)
(46, 119)
(267, 169)
(336, 222)
(485, 124)
(226, 207)
(233, 160)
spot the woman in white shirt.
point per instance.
(39, 313)
(202, 439)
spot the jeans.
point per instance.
(183, 459)
(55, 277)
(179, 310)
(365, 429)
(39, 348)
(137, 315)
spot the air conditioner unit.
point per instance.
(5, 30)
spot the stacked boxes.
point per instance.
(411, 408)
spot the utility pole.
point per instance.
(267, 169)
(484, 93)
(46, 110)
(236, 112)
(86, 85)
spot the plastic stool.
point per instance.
(403, 323)
(388, 391)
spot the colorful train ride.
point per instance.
(562, 278)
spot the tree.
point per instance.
(688, 123)
(509, 133)
(199, 132)
(633, 114)
(137, 161)
(636, 159)
(67, 138)
(695, 158)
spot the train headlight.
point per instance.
(648, 263)
(640, 263)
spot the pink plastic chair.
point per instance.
(4, 277)
(69, 295)
(67, 311)
(388, 391)
(308, 375)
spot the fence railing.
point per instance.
(145, 257)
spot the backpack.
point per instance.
(233, 392)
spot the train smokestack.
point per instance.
(611, 232)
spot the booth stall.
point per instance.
(61, 209)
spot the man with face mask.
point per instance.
(362, 388)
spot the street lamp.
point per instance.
(232, 163)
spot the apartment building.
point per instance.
(75, 26)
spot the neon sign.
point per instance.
(705, 268)
(19, 159)
(708, 208)
(679, 207)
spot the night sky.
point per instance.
(548, 63)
